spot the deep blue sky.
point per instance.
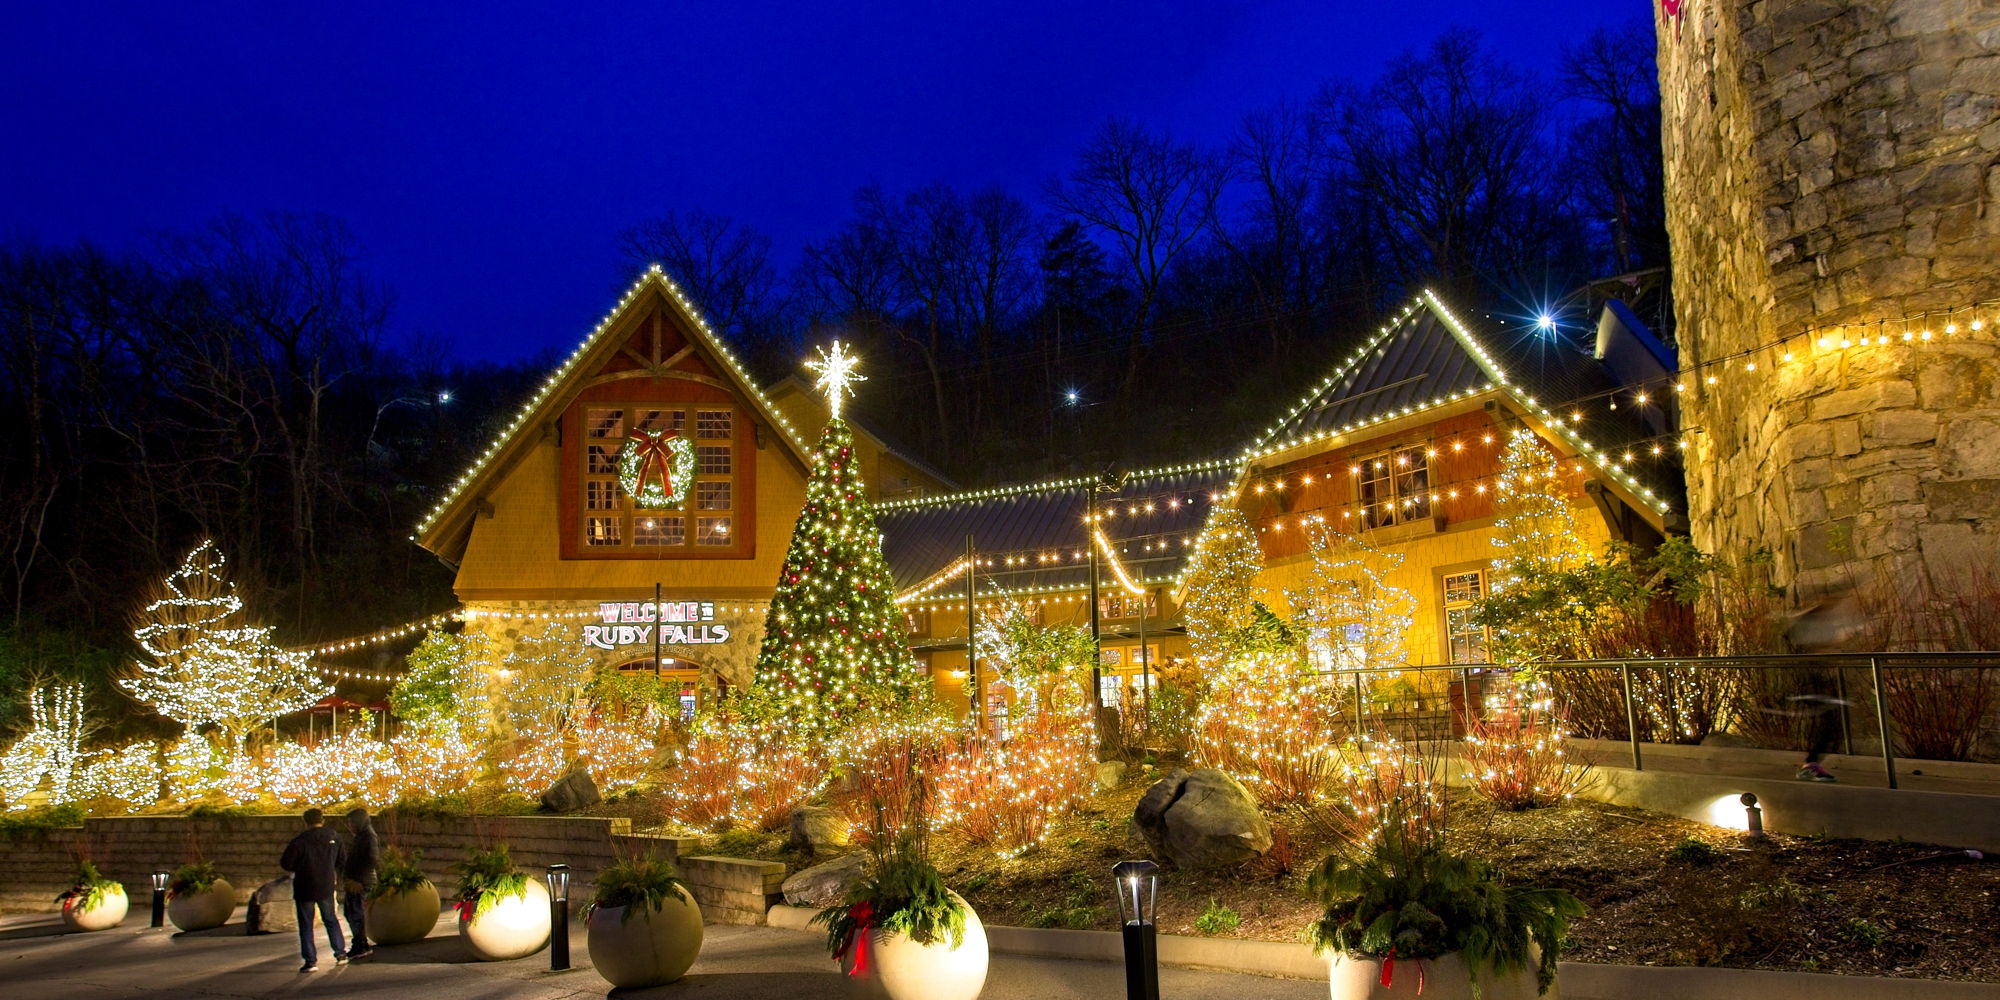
(486, 154)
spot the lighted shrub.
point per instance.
(740, 770)
(1008, 793)
(1279, 731)
(1517, 752)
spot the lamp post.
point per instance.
(1138, 884)
(558, 879)
(160, 898)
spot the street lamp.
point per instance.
(558, 879)
(160, 878)
(1138, 885)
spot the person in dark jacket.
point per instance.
(359, 874)
(314, 858)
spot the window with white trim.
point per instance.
(609, 519)
(1465, 640)
(1394, 487)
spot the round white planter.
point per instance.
(897, 968)
(651, 948)
(403, 917)
(108, 913)
(1442, 978)
(203, 910)
(514, 927)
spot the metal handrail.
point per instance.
(1874, 663)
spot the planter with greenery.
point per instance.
(199, 897)
(403, 906)
(900, 934)
(92, 902)
(502, 913)
(645, 929)
(1403, 915)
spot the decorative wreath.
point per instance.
(657, 470)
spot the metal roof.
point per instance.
(1044, 530)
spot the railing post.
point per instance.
(1357, 704)
(1465, 698)
(1840, 697)
(1631, 715)
(1882, 720)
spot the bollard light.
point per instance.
(558, 879)
(1138, 887)
(160, 879)
(1753, 813)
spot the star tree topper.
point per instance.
(836, 374)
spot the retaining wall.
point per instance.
(36, 866)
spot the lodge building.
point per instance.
(1399, 445)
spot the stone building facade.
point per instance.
(1831, 169)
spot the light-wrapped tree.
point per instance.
(204, 666)
(835, 641)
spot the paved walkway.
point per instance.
(737, 963)
(1857, 770)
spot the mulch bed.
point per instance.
(1784, 903)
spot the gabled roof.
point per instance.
(922, 538)
(450, 520)
(1426, 358)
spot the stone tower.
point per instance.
(1832, 170)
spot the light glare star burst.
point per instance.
(836, 374)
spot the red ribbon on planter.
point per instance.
(467, 908)
(1389, 971)
(863, 914)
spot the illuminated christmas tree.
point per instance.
(204, 667)
(1532, 520)
(834, 640)
(1222, 588)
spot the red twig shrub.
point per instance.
(1517, 753)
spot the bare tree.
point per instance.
(1616, 151)
(724, 265)
(1153, 197)
(1448, 148)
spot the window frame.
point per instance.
(1407, 484)
(1448, 607)
(679, 415)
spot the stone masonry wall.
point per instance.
(1832, 167)
(35, 867)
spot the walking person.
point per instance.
(314, 858)
(358, 877)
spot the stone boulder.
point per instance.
(1201, 819)
(572, 792)
(827, 884)
(816, 828)
(1110, 774)
(270, 908)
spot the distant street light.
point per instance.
(1072, 397)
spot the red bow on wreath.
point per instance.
(655, 456)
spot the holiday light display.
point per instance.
(1355, 620)
(1517, 752)
(656, 470)
(205, 668)
(544, 679)
(834, 640)
(743, 768)
(127, 777)
(1222, 587)
(448, 687)
(1537, 536)
(352, 766)
(50, 752)
(1279, 729)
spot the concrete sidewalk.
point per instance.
(737, 963)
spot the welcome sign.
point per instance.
(680, 623)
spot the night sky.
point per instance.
(485, 155)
